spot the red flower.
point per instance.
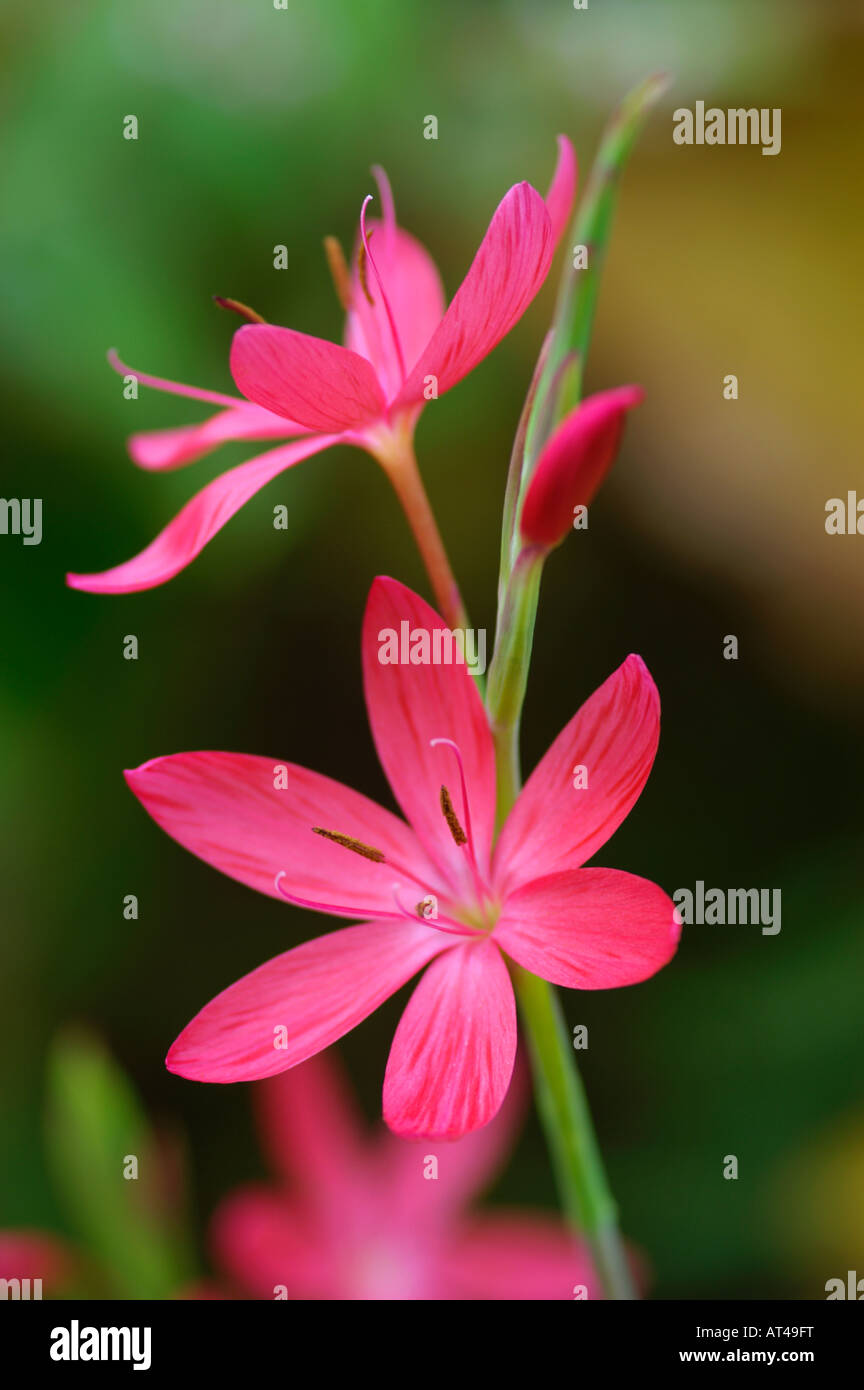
(402, 348)
(362, 1216)
(432, 892)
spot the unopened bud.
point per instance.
(573, 464)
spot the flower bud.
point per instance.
(573, 464)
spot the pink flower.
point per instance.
(573, 464)
(433, 892)
(28, 1254)
(357, 1216)
(402, 348)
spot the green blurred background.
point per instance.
(257, 127)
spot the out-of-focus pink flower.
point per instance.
(573, 464)
(402, 348)
(32, 1255)
(366, 1216)
(432, 892)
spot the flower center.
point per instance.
(474, 915)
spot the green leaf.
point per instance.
(98, 1136)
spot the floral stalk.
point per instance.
(555, 390)
(508, 673)
(561, 1100)
(401, 468)
(563, 1106)
(559, 448)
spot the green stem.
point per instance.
(508, 672)
(563, 1107)
(514, 476)
(561, 1099)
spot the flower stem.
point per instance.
(402, 470)
(561, 1099)
(508, 673)
(555, 389)
(563, 1106)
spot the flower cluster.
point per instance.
(482, 887)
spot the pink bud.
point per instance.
(574, 463)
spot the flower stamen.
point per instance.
(339, 271)
(464, 838)
(439, 923)
(451, 818)
(237, 307)
(376, 856)
(362, 259)
(348, 842)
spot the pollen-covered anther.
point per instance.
(347, 842)
(362, 265)
(338, 270)
(451, 818)
(427, 907)
(237, 307)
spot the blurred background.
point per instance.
(257, 127)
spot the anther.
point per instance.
(347, 842)
(237, 308)
(362, 263)
(338, 270)
(451, 818)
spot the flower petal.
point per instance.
(506, 1255)
(453, 1052)
(265, 1240)
(29, 1254)
(573, 463)
(554, 825)
(506, 274)
(159, 450)
(409, 705)
(413, 288)
(311, 1129)
(318, 383)
(253, 818)
(589, 928)
(562, 189)
(172, 388)
(302, 1001)
(465, 1168)
(197, 522)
